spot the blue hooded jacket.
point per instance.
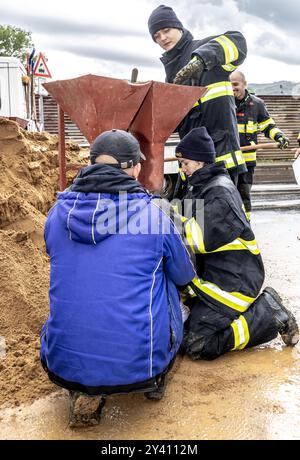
(116, 259)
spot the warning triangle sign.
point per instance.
(40, 68)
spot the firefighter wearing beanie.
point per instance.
(207, 62)
(227, 312)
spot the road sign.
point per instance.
(40, 68)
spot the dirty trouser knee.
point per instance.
(212, 334)
(208, 333)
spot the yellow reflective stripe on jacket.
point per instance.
(264, 124)
(240, 245)
(182, 175)
(188, 292)
(249, 156)
(229, 67)
(298, 138)
(235, 300)
(273, 133)
(250, 245)
(240, 332)
(229, 161)
(230, 50)
(194, 236)
(223, 88)
(215, 90)
(249, 128)
(239, 157)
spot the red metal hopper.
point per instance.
(151, 111)
(162, 110)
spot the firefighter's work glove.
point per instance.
(283, 142)
(194, 68)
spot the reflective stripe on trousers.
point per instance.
(240, 333)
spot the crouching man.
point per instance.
(228, 312)
(115, 321)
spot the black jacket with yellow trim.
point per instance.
(227, 256)
(252, 115)
(216, 109)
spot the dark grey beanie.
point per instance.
(163, 17)
(197, 145)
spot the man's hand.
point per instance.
(194, 67)
(283, 142)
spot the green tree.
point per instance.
(15, 42)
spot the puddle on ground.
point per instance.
(253, 394)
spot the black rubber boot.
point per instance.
(286, 322)
(158, 394)
(85, 410)
(193, 345)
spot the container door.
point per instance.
(5, 102)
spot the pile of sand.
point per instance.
(28, 186)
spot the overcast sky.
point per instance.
(110, 37)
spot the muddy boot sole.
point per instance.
(85, 410)
(157, 395)
(290, 334)
(289, 331)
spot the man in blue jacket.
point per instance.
(115, 322)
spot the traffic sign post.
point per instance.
(40, 68)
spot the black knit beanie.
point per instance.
(197, 145)
(163, 17)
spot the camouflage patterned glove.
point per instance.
(195, 66)
(283, 142)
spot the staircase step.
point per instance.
(279, 204)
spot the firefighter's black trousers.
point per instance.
(209, 333)
(244, 185)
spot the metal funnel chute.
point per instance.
(162, 110)
(151, 111)
(96, 104)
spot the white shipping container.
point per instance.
(12, 91)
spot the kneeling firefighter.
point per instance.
(227, 312)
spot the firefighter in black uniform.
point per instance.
(227, 312)
(252, 115)
(206, 62)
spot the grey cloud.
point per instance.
(208, 16)
(118, 56)
(48, 25)
(283, 14)
(274, 47)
